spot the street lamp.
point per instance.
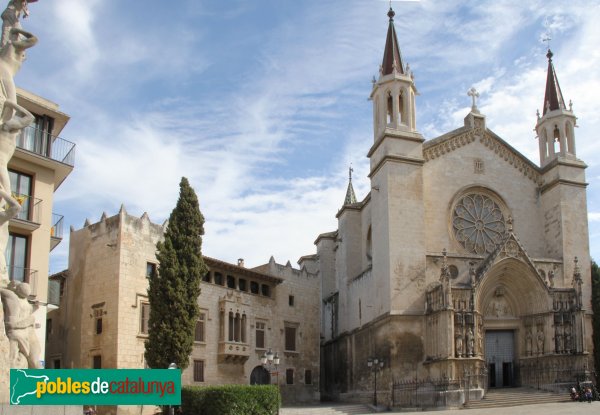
(270, 360)
(171, 409)
(375, 364)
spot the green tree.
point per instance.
(596, 317)
(173, 292)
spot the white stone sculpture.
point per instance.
(10, 18)
(12, 56)
(19, 323)
(12, 208)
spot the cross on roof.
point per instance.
(474, 95)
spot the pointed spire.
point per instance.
(553, 98)
(350, 196)
(392, 59)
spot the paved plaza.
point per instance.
(567, 408)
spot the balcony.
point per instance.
(233, 351)
(28, 275)
(38, 143)
(28, 218)
(56, 232)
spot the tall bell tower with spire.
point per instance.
(396, 173)
(563, 188)
(556, 127)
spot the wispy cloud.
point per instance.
(264, 109)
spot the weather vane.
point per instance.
(547, 37)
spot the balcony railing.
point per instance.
(30, 208)
(57, 226)
(28, 275)
(47, 145)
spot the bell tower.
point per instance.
(555, 128)
(396, 160)
(563, 185)
(394, 93)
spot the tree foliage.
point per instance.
(596, 317)
(173, 292)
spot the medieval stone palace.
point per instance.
(465, 260)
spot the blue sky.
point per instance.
(263, 104)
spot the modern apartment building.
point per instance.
(40, 164)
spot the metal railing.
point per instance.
(425, 393)
(47, 145)
(30, 208)
(557, 378)
(28, 275)
(57, 226)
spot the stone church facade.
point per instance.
(465, 260)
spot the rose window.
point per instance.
(478, 223)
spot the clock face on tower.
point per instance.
(478, 223)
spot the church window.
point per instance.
(390, 108)
(369, 245)
(401, 108)
(556, 135)
(478, 166)
(478, 223)
(453, 271)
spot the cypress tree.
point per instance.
(596, 317)
(173, 292)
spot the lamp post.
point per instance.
(375, 364)
(171, 409)
(270, 360)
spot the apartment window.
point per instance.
(63, 283)
(308, 377)
(36, 138)
(290, 338)
(144, 316)
(199, 332)
(260, 335)
(230, 281)
(150, 269)
(218, 278)
(16, 257)
(99, 325)
(48, 328)
(289, 376)
(266, 290)
(242, 284)
(20, 186)
(198, 370)
(254, 287)
(291, 300)
(97, 362)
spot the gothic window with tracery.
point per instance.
(478, 223)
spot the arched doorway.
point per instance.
(260, 376)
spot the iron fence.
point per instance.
(428, 393)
